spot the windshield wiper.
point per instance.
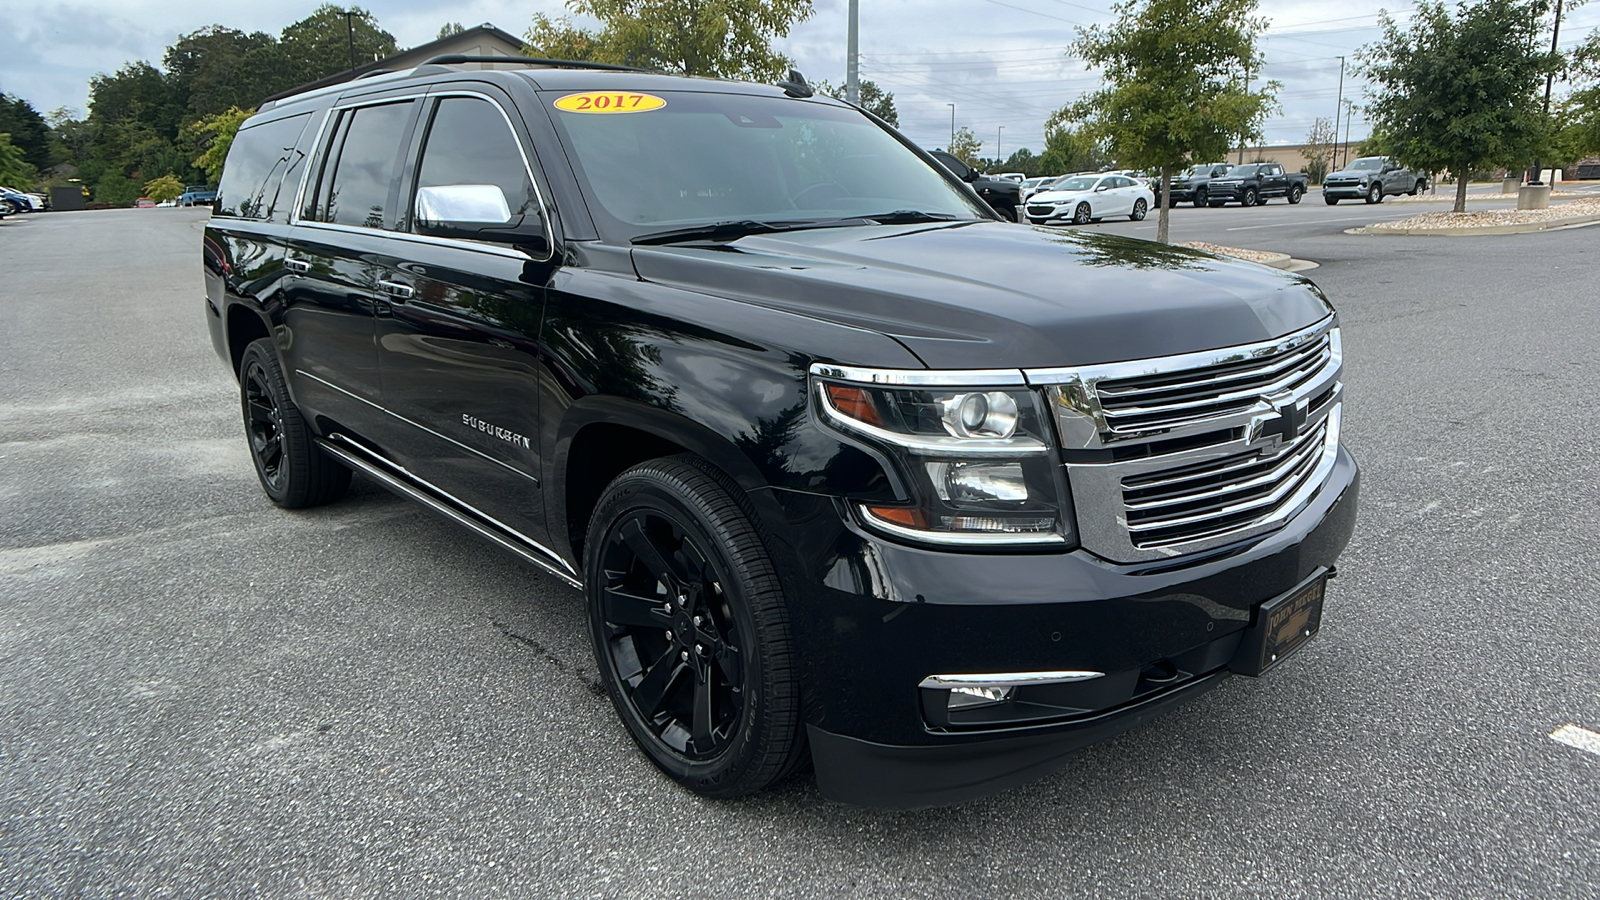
(908, 217)
(721, 231)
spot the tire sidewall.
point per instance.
(256, 356)
(640, 491)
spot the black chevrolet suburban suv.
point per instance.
(847, 469)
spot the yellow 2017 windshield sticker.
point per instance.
(610, 102)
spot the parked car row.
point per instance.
(13, 201)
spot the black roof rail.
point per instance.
(456, 59)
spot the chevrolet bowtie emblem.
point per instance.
(1281, 426)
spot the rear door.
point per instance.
(458, 334)
(338, 254)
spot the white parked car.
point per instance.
(1090, 198)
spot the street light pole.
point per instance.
(1349, 113)
(1338, 103)
(998, 132)
(852, 68)
(952, 125)
(350, 33)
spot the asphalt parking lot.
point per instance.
(203, 695)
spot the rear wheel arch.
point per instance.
(245, 327)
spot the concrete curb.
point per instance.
(1522, 228)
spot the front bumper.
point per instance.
(873, 619)
(1345, 191)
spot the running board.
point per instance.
(405, 484)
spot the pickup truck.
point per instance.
(1370, 178)
(1190, 185)
(1254, 183)
(197, 195)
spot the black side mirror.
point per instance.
(476, 212)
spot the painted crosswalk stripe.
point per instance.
(1582, 738)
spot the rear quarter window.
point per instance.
(252, 176)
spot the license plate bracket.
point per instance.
(1282, 625)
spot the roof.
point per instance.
(477, 37)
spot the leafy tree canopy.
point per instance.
(218, 132)
(966, 147)
(1175, 73)
(1460, 91)
(165, 188)
(29, 131)
(319, 44)
(14, 168)
(1068, 149)
(719, 38)
(874, 99)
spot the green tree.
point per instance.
(29, 131)
(449, 29)
(1175, 73)
(1320, 142)
(1068, 149)
(1578, 116)
(217, 133)
(216, 68)
(1462, 91)
(15, 171)
(874, 99)
(966, 147)
(165, 188)
(319, 45)
(718, 38)
(1022, 161)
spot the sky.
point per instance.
(1002, 63)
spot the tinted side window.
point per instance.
(469, 143)
(362, 170)
(253, 174)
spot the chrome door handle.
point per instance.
(297, 265)
(397, 290)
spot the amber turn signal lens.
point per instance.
(899, 515)
(855, 403)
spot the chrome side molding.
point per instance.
(1008, 679)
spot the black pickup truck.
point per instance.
(1253, 183)
(1191, 185)
(840, 467)
(1003, 194)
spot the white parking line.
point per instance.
(1319, 221)
(1581, 738)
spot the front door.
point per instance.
(458, 329)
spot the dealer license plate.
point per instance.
(1283, 624)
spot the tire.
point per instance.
(722, 717)
(1139, 211)
(1331, 201)
(1199, 198)
(1294, 194)
(293, 470)
(1420, 188)
(1250, 198)
(1216, 204)
(1375, 194)
(1082, 214)
(1032, 221)
(1010, 215)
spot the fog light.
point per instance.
(998, 524)
(978, 481)
(968, 696)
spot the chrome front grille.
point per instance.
(1180, 454)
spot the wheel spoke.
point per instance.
(624, 608)
(642, 547)
(701, 728)
(652, 689)
(271, 449)
(731, 662)
(260, 411)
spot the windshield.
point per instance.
(705, 158)
(1370, 164)
(1078, 183)
(1242, 171)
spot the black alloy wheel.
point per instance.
(1082, 214)
(295, 473)
(1294, 194)
(1139, 210)
(1250, 198)
(1200, 197)
(690, 628)
(1375, 193)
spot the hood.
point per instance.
(995, 295)
(1060, 196)
(1350, 173)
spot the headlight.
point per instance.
(976, 461)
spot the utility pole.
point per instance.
(852, 68)
(1336, 105)
(350, 32)
(1538, 173)
(952, 125)
(997, 157)
(1349, 113)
